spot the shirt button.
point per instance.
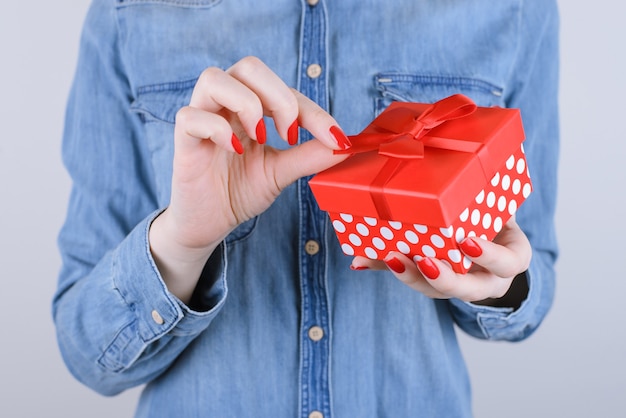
(316, 333)
(312, 2)
(312, 247)
(316, 414)
(156, 317)
(314, 70)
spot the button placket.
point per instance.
(315, 399)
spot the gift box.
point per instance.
(422, 177)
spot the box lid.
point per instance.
(460, 155)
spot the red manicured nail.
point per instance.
(428, 268)
(471, 248)
(236, 144)
(358, 267)
(342, 140)
(260, 132)
(395, 265)
(292, 133)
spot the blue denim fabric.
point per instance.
(241, 348)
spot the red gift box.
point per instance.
(423, 177)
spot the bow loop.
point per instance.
(402, 132)
(450, 108)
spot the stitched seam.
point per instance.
(170, 86)
(173, 3)
(388, 79)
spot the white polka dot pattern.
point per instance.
(484, 217)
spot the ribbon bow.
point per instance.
(402, 132)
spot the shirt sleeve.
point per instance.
(117, 324)
(534, 90)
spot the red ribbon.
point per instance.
(401, 133)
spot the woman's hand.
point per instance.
(495, 266)
(223, 173)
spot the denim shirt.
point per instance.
(279, 325)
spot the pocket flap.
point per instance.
(425, 88)
(162, 101)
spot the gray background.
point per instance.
(572, 367)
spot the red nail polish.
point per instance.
(260, 132)
(471, 248)
(342, 140)
(236, 144)
(292, 133)
(395, 265)
(357, 268)
(428, 268)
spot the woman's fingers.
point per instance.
(407, 272)
(437, 280)
(403, 268)
(194, 125)
(216, 90)
(249, 89)
(510, 252)
(288, 107)
(476, 285)
(320, 123)
(495, 266)
(277, 99)
(306, 159)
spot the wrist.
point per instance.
(517, 293)
(180, 264)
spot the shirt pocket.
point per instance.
(157, 106)
(425, 88)
(197, 4)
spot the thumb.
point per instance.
(308, 158)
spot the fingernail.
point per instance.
(342, 140)
(357, 268)
(236, 144)
(260, 132)
(471, 248)
(428, 268)
(292, 133)
(395, 265)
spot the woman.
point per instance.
(195, 258)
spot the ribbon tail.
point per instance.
(365, 142)
(377, 187)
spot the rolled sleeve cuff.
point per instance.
(493, 323)
(157, 311)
